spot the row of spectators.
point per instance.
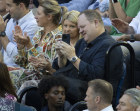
(32, 47)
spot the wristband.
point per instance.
(132, 39)
(114, 1)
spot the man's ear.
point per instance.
(22, 6)
(96, 22)
(97, 99)
(46, 96)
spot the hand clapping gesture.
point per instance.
(20, 38)
(121, 25)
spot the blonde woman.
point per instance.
(34, 54)
(69, 25)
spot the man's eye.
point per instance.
(55, 93)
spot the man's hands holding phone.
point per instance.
(64, 49)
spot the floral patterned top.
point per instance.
(10, 97)
(47, 47)
(6, 104)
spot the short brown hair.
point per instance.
(103, 89)
(91, 15)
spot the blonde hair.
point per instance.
(71, 16)
(52, 7)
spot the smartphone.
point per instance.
(66, 38)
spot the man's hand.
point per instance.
(65, 49)
(124, 38)
(138, 87)
(121, 25)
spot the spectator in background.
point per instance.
(138, 109)
(6, 87)
(99, 95)
(79, 5)
(69, 25)
(125, 10)
(3, 11)
(53, 90)
(9, 105)
(19, 14)
(130, 100)
(6, 16)
(131, 33)
(102, 6)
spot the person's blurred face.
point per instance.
(2, 6)
(41, 18)
(56, 96)
(70, 28)
(13, 9)
(90, 99)
(86, 29)
(125, 104)
(138, 109)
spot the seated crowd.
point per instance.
(59, 47)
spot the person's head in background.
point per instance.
(49, 14)
(6, 86)
(33, 4)
(69, 25)
(138, 108)
(3, 7)
(90, 25)
(53, 90)
(99, 95)
(17, 8)
(129, 101)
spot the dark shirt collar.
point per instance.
(95, 40)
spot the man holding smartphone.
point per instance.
(88, 56)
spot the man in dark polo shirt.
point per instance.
(87, 59)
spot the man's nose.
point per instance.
(60, 96)
(118, 107)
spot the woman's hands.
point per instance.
(20, 39)
(41, 63)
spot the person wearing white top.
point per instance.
(24, 17)
(99, 95)
(132, 35)
(109, 108)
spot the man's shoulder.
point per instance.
(108, 40)
(28, 20)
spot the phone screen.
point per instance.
(66, 38)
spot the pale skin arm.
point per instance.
(127, 37)
(118, 10)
